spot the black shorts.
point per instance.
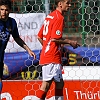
(1, 69)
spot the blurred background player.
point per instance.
(50, 36)
(8, 26)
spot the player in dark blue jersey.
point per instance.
(8, 26)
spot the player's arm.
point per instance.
(74, 44)
(40, 35)
(40, 40)
(21, 43)
(61, 41)
(56, 35)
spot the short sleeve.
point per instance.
(40, 34)
(15, 33)
(57, 29)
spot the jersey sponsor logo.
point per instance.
(58, 32)
(4, 35)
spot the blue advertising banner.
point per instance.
(16, 62)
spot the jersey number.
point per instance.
(46, 25)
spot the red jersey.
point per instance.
(51, 29)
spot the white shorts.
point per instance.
(51, 71)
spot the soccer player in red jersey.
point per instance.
(50, 36)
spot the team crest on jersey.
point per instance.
(58, 32)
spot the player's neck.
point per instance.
(59, 10)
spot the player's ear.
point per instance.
(60, 4)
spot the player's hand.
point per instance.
(74, 44)
(32, 54)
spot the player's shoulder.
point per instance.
(12, 22)
(56, 14)
(11, 19)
